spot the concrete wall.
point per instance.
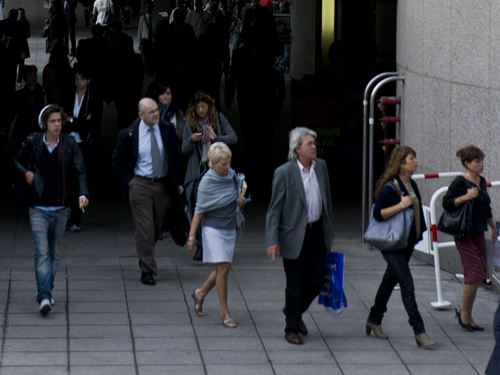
(449, 52)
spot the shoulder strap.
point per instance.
(467, 183)
(394, 183)
(221, 129)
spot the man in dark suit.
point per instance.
(27, 105)
(146, 159)
(299, 227)
(175, 52)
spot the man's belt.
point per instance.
(154, 179)
(315, 224)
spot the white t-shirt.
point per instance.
(102, 7)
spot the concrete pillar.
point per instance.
(305, 22)
(385, 33)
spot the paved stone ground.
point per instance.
(106, 322)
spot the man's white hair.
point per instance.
(295, 138)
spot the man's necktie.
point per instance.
(150, 27)
(155, 155)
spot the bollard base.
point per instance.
(443, 305)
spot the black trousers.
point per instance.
(397, 271)
(305, 276)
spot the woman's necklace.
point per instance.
(472, 177)
(407, 184)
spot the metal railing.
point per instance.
(368, 122)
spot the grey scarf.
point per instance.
(217, 191)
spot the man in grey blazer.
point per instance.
(299, 227)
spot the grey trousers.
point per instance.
(149, 201)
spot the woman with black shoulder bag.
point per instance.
(471, 186)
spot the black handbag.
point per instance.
(457, 223)
(178, 222)
(198, 254)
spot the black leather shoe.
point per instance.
(294, 338)
(147, 278)
(302, 326)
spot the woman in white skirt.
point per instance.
(218, 198)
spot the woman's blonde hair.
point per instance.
(191, 116)
(217, 152)
(398, 157)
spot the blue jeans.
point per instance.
(236, 40)
(398, 271)
(48, 228)
(285, 61)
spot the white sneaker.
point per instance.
(52, 302)
(45, 306)
(75, 228)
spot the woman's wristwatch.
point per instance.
(191, 239)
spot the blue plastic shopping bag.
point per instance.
(332, 295)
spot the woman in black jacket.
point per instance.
(161, 93)
(80, 105)
(472, 249)
(395, 192)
